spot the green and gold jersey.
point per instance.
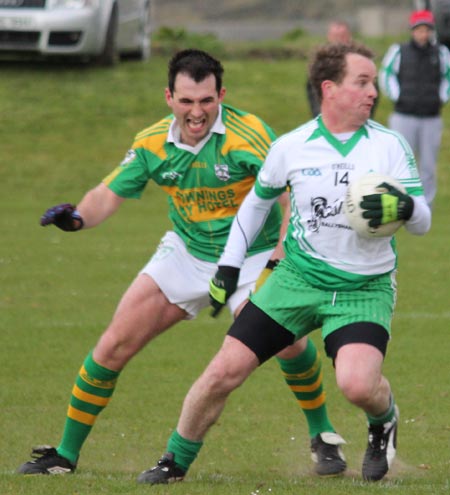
(204, 189)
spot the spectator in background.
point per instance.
(416, 77)
(338, 32)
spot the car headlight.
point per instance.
(71, 4)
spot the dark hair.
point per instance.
(329, 63)
(197, 64)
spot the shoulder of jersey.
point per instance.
(297, 135)
(155, 136)
(246, 131)
(243, 122)
(388, 134)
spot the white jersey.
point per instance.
(317, 167)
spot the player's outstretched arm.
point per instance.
(96, 206)
(65, 216)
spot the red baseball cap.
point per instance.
(421, 17)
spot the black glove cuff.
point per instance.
(408, 208)
(229, 271)
(76, 216)
(271, 264)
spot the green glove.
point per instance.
(222, 286)
(387, 207)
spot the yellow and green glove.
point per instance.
(387, 207)
(222, 286)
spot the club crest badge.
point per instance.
(222, 172)
(129, 157)
(171, 175)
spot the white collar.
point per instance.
(174, 134)
(343, 137)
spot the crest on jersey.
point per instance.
(170, 175)
(322, 212)
(129, 157)
(222, 171)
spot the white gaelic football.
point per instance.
(368, 184)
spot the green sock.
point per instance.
(303, 375)
(385, 417)
(185, 451)
(91, 393)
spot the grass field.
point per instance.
(62, 130)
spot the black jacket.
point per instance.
(419, 78)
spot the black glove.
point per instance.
(64, 216)
(222, 286)
(388, 206)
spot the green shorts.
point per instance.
(301, 308)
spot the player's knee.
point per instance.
(230, 368)
(356, 389)
(219, 381)
(294, 350)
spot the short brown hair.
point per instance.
(329, 63)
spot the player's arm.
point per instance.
(444, 87)
(269, 187)
(246, 226)
(388, 74)
(96, 206)
(420, 221)
(278, 252)
(393, 204)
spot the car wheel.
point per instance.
(110, 53)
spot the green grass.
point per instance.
(62, 129)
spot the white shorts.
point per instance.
(184, 279)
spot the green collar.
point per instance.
(343, 148)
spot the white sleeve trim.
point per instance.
(246, 226)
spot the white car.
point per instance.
(99, 30)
